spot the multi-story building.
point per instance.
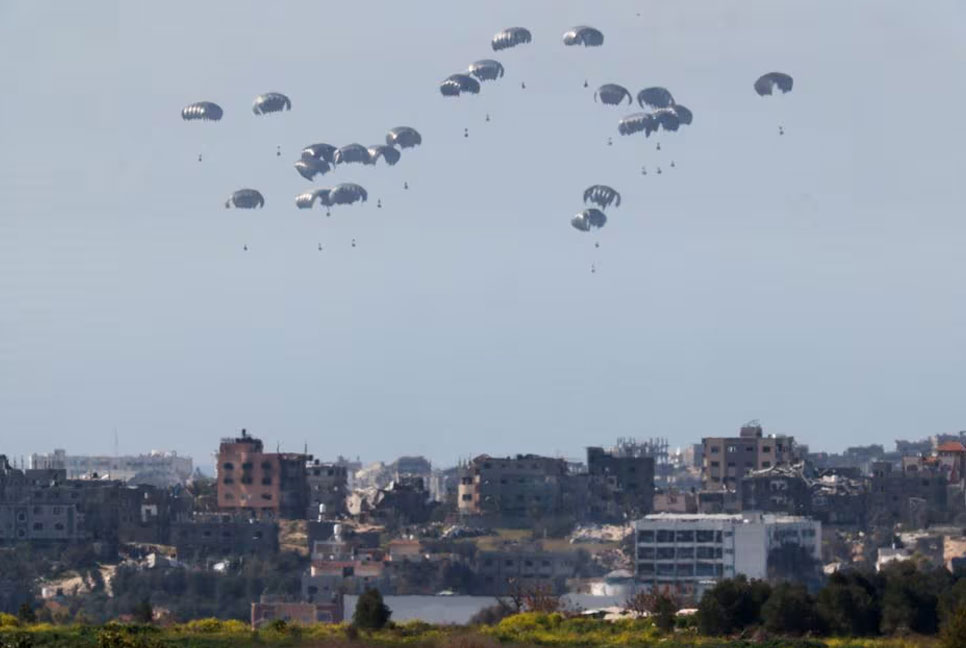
(628, 482)
(224, 535)
(157, 468)
(328, 485)
(259, 483)
(785, 488)
(520, 488)
(522, 567)
(914, 494)
(728, 459)
(688, 553)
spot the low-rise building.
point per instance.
(523, 567)
(224, 535)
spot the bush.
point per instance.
(953, 632)
(8, 621)
(371, 612)
(26, 614)
(790, 610)
(732, 605)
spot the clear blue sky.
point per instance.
(814, 281)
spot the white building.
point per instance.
(157, 468)
(687, 553)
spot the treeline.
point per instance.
(900, 599)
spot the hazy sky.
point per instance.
(814, 280)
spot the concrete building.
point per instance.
(513, 489)
(524, 566)
(157, 468)
(223, 535)
(328, 485)
(628, 482)
(259, 483)
(727, 459)
(914, 494)
(304, 614)
(686, 553)
(784, 488)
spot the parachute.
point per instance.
(684, 115)
(612, 94)
(307, 200)
(311, 167)
(511, 37)
(245, 199)
(586, 36)
(404, 137)
(271, 102)
(486, 70)
(667, 119)
(655, 98)
(325, 152)
(352, 153)
(589, 219)
(637, 123)
(602, 196)
(347, 193)
(455, 84)
(204, 110)
(766, 83)
(388, 153)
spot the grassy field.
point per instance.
(521, 630)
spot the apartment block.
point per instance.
(727, 459)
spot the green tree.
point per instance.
(850, 605)
(664, 611)
(953, 631)
(790, 610)
(732, 605)
(910, 601)
(371, 612)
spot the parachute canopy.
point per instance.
(636, 123)
(311, 167)
(271, 102)
(684, 114)
(766, 83)
(205, 110)
(347, 193)
(655, 98)
(613, 94)
(589, 219)
(602, 196)
(245, 199)
(319, 151)
(582, 35)
(667, 119)
(352, 153)
(511, 37)
(307, 200)
(486, 70)
(455, 84)
(404, 137)
(388, 153)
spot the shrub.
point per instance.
(371, 612)
(953, 631)
(8, 621)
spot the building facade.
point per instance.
(513, 488)
(687, 553)
(259, 483)
(727, 459)
(328, 485)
